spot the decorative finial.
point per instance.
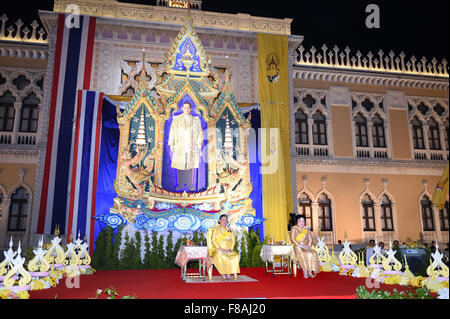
(142, 77)
(227, 73)
(189, 8)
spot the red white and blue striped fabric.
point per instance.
(70, 112)
(84, 165)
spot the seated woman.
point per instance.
(302, 239)
(221, 243)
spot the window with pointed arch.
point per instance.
(18, 210)
(433, 135)
(7, 112)
(417, 134)
(305, 209)
(361, 131)
(426, 207)
(325, 217)
(444, 218)
(29, 114)
(387, 219)
(301, 128)
(368, 213)
(319, 129)
(378, 136)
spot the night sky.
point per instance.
(418, 28)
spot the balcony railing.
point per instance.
(430, 155)
(367, 152)
(6, 138)
(312, 150)
(11, 138)
(26, 139)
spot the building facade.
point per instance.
(369, 134)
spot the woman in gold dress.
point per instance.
(302, 239)
(221, 242)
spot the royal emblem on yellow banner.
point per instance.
(273, 67)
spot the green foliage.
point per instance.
(114, 258)
(110, 293)
(137, 263)
(126, 258)
(148, 251)
(98, 256)
(159, 253)
(250, 246)
(419, 293)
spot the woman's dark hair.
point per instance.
(223, 215)
(298, 216)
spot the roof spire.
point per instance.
(189, 8)
(143, 74)
(227, 73)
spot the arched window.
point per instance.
(29, 114)
(427, 214)
(319, 129)
(18, 210)
(305, 208)
(7, 112)
(433, 135)
(443, 218)
(378, 132)
(361, 130)
(301, 128)
(417, 134)
(387, 219)
(325, 217)
(368, 213)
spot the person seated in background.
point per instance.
(221, 249)
(445, 252)
(370, 251)
(302, 240)
(339, 245)
(382, 251)
(432, 247)
(396, 247)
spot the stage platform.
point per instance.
(167, 284)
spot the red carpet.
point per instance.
(166, 284)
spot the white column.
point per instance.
(353, 129)
(388, 139)
(18, 109)
(315, 217)
(370, 137)
(426, 142)
(310, 136)
(329, 133)
(442, 137)
(378, 224)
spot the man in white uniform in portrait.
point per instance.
(185, 142)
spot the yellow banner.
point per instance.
(440, 195)
(273, 84)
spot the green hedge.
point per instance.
(156, 254)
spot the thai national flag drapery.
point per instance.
(72, 119)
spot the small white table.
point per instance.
(268, 254)
(189, 253)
